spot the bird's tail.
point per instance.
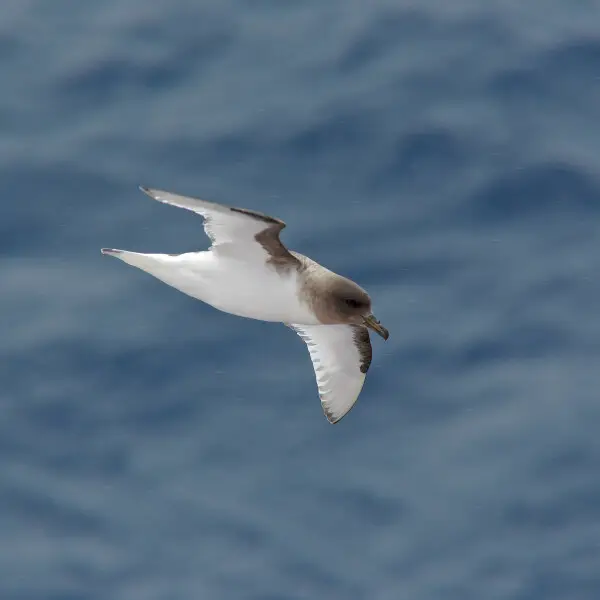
(151, 263)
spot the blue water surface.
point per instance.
(446, 156)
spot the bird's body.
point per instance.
(228, 284)
(248, 272)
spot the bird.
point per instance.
(249, 272)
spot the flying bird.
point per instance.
(247, 271)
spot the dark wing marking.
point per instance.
(362, 341)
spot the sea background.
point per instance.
(446, 156)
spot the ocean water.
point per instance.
(446, 156)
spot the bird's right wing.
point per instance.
(341, 355)
(235, 231)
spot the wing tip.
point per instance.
(110, 251)
(188, 202)
(336, 417)
(333, 419)
(149, 191)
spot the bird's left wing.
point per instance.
(341, 356)
(234, 231)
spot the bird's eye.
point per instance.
(352, 303)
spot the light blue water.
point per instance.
(443, 155)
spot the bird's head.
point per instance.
(349, 304)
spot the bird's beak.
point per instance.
(372, 323)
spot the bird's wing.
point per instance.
(234, 231)
(341, 355)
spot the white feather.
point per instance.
(337, 363)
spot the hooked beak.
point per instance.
(372, 323)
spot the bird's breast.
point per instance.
(253, 291)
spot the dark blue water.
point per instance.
(446, 156)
